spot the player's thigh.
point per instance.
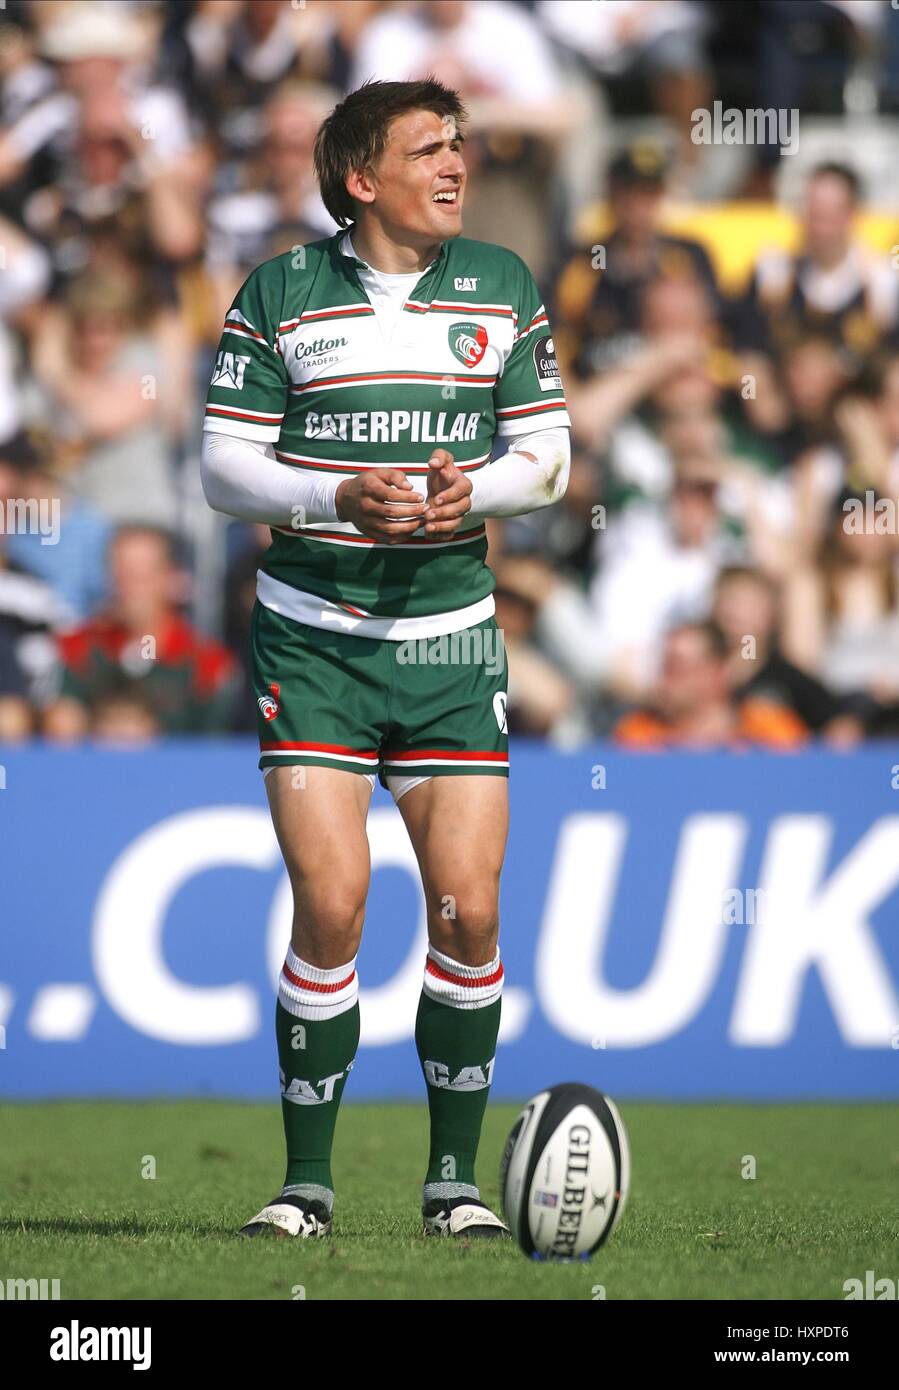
(458, 827)
(320, 697)
(319, 816)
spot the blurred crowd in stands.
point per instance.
(724, 569)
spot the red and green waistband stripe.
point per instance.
(325, 750)
(468, 755)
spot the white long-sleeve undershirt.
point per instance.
(242, 478)
(512, 484)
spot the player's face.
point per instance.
(419, 181)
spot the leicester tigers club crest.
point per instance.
(268, 704)
(468, 342)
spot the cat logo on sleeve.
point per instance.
(546, 365)
(229, 370)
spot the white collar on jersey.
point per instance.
(346, 248)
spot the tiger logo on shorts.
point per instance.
(268, 704)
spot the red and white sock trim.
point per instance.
(462, 986)
(308, 992)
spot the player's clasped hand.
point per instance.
(381, 503)
(449, 494)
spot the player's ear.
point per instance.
(361, 185)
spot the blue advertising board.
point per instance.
(681, 926)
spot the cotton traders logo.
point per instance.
(468, 342)
(268, 704)
(304, 352)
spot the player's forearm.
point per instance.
(533, 474)
(241, 480)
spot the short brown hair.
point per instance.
(354, 136)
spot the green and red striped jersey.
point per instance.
(303, 364)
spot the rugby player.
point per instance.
(359, 387)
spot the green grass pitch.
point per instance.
(74, 1205)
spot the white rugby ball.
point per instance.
(565, 1173)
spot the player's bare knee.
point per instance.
(328, 926)
(467, 928)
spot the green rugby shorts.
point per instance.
(404, 711)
